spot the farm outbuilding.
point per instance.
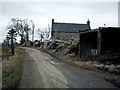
(102, 43)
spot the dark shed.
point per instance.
(102, 42)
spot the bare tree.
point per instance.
(29, 29)
(33, 26)
(23, 28)
(44, 34)
(48, 32)
(17, 24)
(41, 35)
(12, 33)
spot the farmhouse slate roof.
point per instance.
(69, 27)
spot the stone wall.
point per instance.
(65, 36)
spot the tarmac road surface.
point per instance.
(43, 71)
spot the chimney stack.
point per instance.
(52, 27)
(88, 22)
(52, 21)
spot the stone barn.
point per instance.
(68, 31)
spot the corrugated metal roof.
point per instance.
(70, 27)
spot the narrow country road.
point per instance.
(43, 71)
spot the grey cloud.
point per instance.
(24, 8)
(92, 10)
(15, 9)
(98, 12)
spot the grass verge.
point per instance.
(12, 69)
(71, 60)
(67, 59)
(58, 56)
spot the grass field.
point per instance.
(12, 69)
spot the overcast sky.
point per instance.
(99, 13)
